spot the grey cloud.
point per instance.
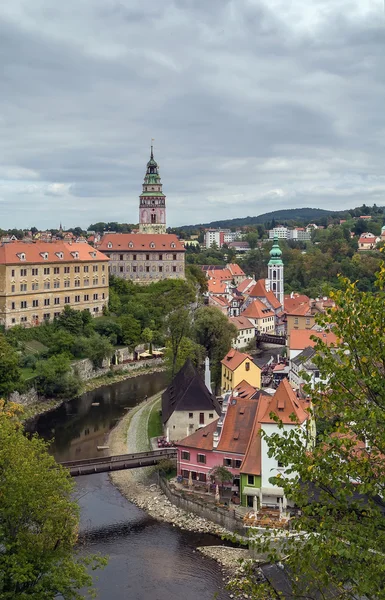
(243, 97)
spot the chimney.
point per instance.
(208, 374)
(292, 295)
(217, 433)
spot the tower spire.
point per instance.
(152, 207)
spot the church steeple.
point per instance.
(275, 271)
(152, 206)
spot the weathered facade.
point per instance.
(37, 279)
(144, 258)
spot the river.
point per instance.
(148, 560)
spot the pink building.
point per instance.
(223, 442)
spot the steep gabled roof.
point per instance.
(245, 285)
(258, 310)
(238, 425)
(245, 389)
(234, 358)
(187, 392)
(284, 403)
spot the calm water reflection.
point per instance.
(148, 560)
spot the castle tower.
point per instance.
(275, 271)
(152, 206)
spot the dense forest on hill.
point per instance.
(290, 217)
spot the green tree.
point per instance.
(9, 368)
(55, 379)
(130, 331)
(213, 331)
(71, 320)
(99, 348)
(187, 349)
(38, 521)
(221, 475)
(148, 336)
(338, 485)
(178, 325)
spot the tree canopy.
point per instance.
(339, 485)
(38, 520)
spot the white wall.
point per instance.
(180, 425)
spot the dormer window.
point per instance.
(152, 245)
(130, 245)
(21, 256)
(60, 255)
(75, 254)
(44, 255)
(93, 254)
(109, 245)
(173, 245)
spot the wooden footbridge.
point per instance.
(105, 464)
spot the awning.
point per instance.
(157, 353)
(250, 491)
(145, 355)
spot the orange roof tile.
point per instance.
(220, 301)
(259, 290)
(219, 274)
(34, 252)
(273, 300)
(201, 439)
(237, 426)
(292, 302)
(234, 358)
(283, 404)
(214, 286)
(245, 284)
(160, 242)
(251, 463)
(235, 270)
(245, 390)
(301, 310)
(257, 310)
(300, 338)
(241, 323)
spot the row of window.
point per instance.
(296, 321)
(56, 284)
(143, 257)
(147, 269)
(56, 270)
(195, 476)
(47, 301)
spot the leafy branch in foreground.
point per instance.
(38, 520)
(338, 539)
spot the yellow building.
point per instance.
(237, 367)
(37, 279)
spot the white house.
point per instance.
(257, 462)
(246, 332)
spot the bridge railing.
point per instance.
(163, 452)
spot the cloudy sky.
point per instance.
(254, 105)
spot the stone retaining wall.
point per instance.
(225, 518)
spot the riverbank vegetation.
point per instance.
(39, 520)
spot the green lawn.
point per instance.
(154, 428)
(34, 347)
(27, 373)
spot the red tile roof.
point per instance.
(301, 310)
(252, 462)
(238, 425)
(245, 284)
(220, 300)
(201, 439)
(300, 338)
(283, 404)
(235, 270)
(291, 302)
(245, 390)
(241, 323)
(219, 274)
(214, 286)
(259, 290)
(160, 242)
(34, 252)
(257, 310)
(234, 358)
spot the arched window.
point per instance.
(274, 274)
(153, 218)
(274, 287)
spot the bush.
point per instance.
(54, 378)
(28, 361)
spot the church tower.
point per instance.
(275, 272)
(152, 206)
